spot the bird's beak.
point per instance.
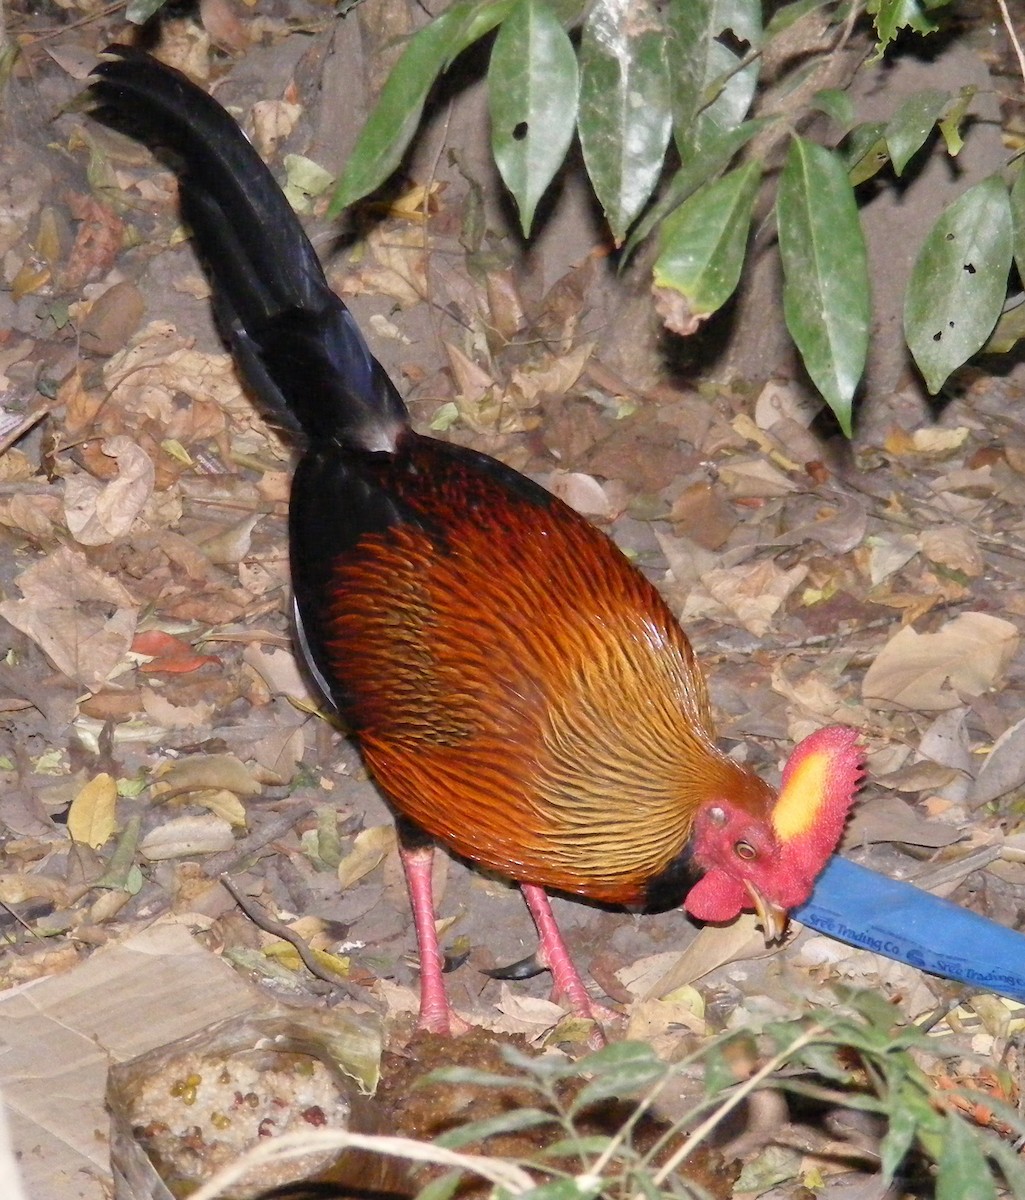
(772, 917)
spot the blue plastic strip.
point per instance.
(862, 907)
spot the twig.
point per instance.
(31, 419)
(250, 846)
(261, 918)
(1006, 18)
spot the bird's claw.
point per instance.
(526, 968)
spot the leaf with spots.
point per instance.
(532, 96)
(959, 281)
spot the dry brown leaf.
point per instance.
(202, 772)
(888, 552)
(175, 716)
(66, 610)
(183, 836)
(754, 592)
(887, 818)
(223, 25)
(756, 477)
(97, 242)
(272, 122)
(582, 492)
(953, 547)
(149, 375)
(112, 319)
(19, 887)
(232, 545)
(700, 512)
(816, 701)
(97, 512)
(222, 804)
(472, 382)
(33, 514)
(714, 946)
(676, 313)
(278, 669)
(368, 852)
(939, 443)
(778, 402)
(276, 757)
(91, 817)
(1004, 768)
(934, 671)
(400, 269)
(554, 375)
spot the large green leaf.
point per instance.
(532, 95)
(702, 243)
(912, 123)
(625, 117)
(709, 40)
(394, 120)
(702, 166)
(825, 272)
(959, 281)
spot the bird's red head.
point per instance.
(769, 861)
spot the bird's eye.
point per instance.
(745, 850)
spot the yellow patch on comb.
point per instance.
(801, 799)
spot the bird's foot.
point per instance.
(440, 1019)
(581, 1005)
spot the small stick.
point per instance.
(261, 918)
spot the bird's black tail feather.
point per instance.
(296, 341)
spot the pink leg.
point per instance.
(435, 1014)
(567, 986)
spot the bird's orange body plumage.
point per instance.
(519, 690)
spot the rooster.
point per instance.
(520, 693)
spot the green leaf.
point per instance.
(617, 1056)
(901, 1128)
(703, 165)
(625, 116)
(579, 1187)
(825, 272)
(912, 123)
(586, 1145)
(702, 244)
(506, 1122)
(1018, 220)
(837, 105)
(443, 1188)
(532, 96)
(891, 16)
(789, 14)
(962, 1172)
(950, 124)
(619, 1070)
(709, 42)
(866, 153)
(470, 1076)
(959, 281)
(1008, 331)
(396, 116)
